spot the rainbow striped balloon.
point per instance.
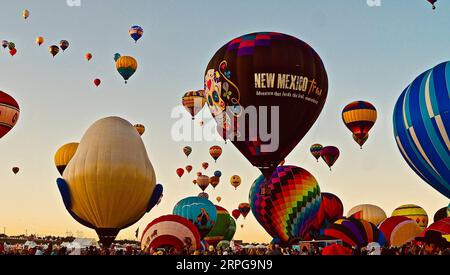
(422, 126)
(286, 205)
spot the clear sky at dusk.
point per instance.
(370, 53)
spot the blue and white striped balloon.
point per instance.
(422, 126)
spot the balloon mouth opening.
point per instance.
(107, 235)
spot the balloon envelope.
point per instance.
(201, 212)
(9, 113)
(399, 230)
(414, 212)
(292, 82)
(220, 228)
(422, 127)
(368, 212)
(126, 66)
(64, 154)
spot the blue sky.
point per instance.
(370, 53)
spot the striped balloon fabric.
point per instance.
(9, 113)
(359, 117)
(422, 125)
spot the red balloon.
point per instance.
(336, 249)
(9, 113)
(236, 214)
(180, 172)
(97, 82)
(189, 168)
(205, 165)
(330, 154)
(13, 52)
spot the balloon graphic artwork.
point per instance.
(368, 212)
(11, 45)
(413, 212)
(359, 117)
(201, 212)
(240, 76)
(110, 168)
(126, 66)
(316, 150)
(9, 113)
(422, 127)
(13, 52)
(170, 231)
(64, 154)
(136, 33)
(330, 155)
(291, 205)
(193, 102)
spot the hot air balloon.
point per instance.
(205, 165)
(315, 151)
(11, 45)
(219, 199)
(442, 226)
(440, 214)
(290, 209)
(203, 195)
(88, 56)
(170, 231)
(187, 150)
(201, 212)
(203, 182)
(361, 142)
(189, 168)
(140, 129)
(180, 172)
(13, 52)
(240, 75)
(64, 45)
(336, 250)
(97, 82)
(432, 2)
(54, 50)
(236, 213)
(229, 234)
(9, 113)
(25, 14)
(330, 154)
(193, 102)
(220, 228)
(39, 40)
(217, 174)
(413, 212)
(136, 33)
(64, 154)
(359, 117)
(422, 124)
(5, 44)
(15, 170)
(368, 212)
(235, 181)
(117, 56)
(126, 66)
(214, 181)
(354, 233)
(399, 230)
(244, 208)
(199, 174)
(223, 245)
(109, 169)
(331, 209)
(215, 152)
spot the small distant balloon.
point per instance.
(235, 181)
(180, 172)
(140, 128)
(25, 14)
(88, 56)
(64, 45)
(315, 151)
(330, 154)
(219, 199)
(11, 45)
(117, 56)
(5, 44)
(13, 52)
(54, 50)
(39, 40)
(187, 150)
(126, 66)
(205, 165)
(97, 82)
(136, 32)
(189, 168)
(16, 170)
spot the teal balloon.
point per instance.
(201, 212)
(117, 56)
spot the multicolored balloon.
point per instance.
(442, 226)
(361, 142)
(140, 129)
(9, 113)
(240, 75)
(215, 152)
(193, 102)
(244, 208)
(11, 45)
(290, 207)
(399, 230)
(126, 66)
(368, 212)
(201, 212)
(330, 155)
(359, 117)
(187, 150)
(315, 150)
(203, 182)
(203, 195)
(413, 212)
(25, 14)
(354, 233)
(64, 154)
(214, 181)
(422, 127)
(331, 209)
(220, 228)
(170, 231)
(219, 199)
(136, 32)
